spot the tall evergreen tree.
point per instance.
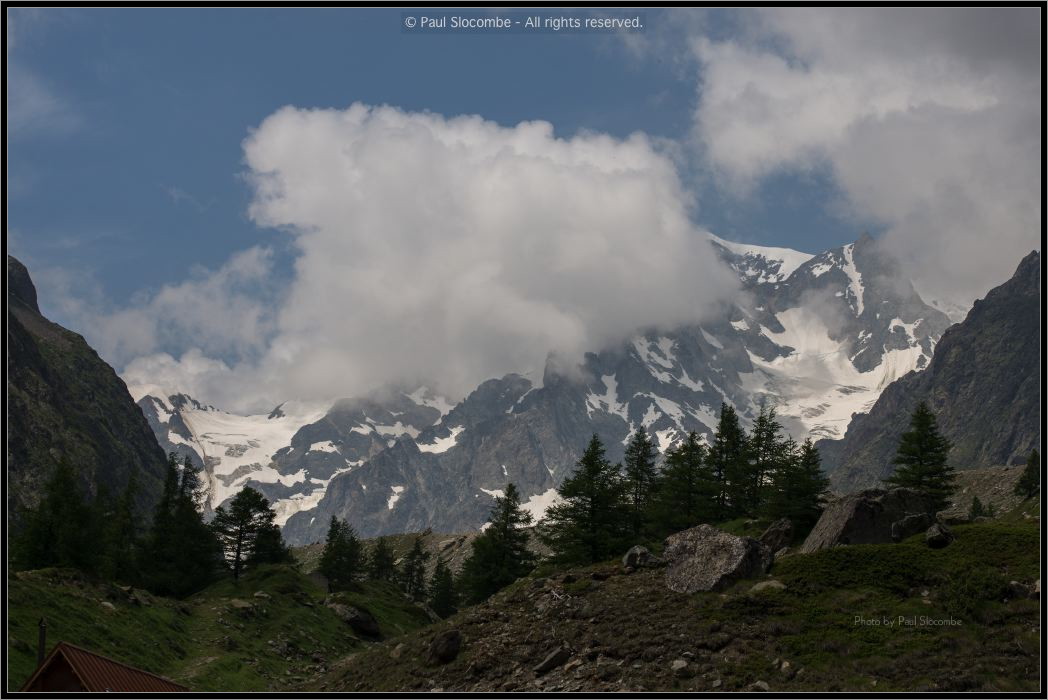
(922, 459)
(381, 563)
(121, 536)
(685, 490)
(62, 530)
(500, 554)
(798, 485)
(766, 454)
(1029, 482)
(181, 554)
(727, 458)
(591, 522)
(443, 598)
(412, 572)
(976, 510)
(238, 527)
(342, 559)
(639, 474)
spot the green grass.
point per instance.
(205, 642)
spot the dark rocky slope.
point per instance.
(64, 402)
(983, 383)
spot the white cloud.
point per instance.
(927, 119)
(442, 249)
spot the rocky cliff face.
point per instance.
(64, 402)
(983, 383)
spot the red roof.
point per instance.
(98, 674)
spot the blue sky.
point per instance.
(179, 200)
(138, 178)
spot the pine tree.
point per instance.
(62, 530)
(685, 490)
(765, 456)
(381, 562)
(342, 559)
(639, 463)
(443, 598)
(120, 536)
(181, 554)
(412, 573)
(591, 523)
(1030, 481)
(921, 459)
(239, 526)
(500, 554)
(976, 510)
(727, 458)
(798, 485)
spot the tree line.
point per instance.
(176, 554)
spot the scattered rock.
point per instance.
(779, 535)
(240, 604)
(361, 621)
(760, 686)
(938, 536)
(262, 594)
(865, 517)
(910, 526)
(707, 559)
(638, 557)
(554, 659)
(397, 651)
(716, 683)
(681, 668)
(771, 585)
(107, 606)
(444, 647)
(1035, 589)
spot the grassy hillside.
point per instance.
(626, 631)
(266, 633)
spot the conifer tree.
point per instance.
(976, 510)
(381, 562)
(798, 485)
(443, 598)
(921, 459)
(342, 559)
(1030, 481)
(591, 523)
(639, 473)
(413, 571)
(685, 491)
(121, 538)
(238, 527)
(727, 458)
(181, 554)
(500, 554)
(766, 454)
(62, 529)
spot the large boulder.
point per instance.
(638, 557)
(938, 536)
(360, 621)
(911, 525)
(778, 535)
(707, 559)
(865, 517)
(444, 647)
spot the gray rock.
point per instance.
(707, 559)
(771, 585)
(680, 668)
(910, 526)
(760, 686)
(554, 659)
(638, 557)
(938, 536)
(361, 621)
(444, 647)
(778, 535)
(865, 517)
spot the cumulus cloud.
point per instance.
(444, 250)
(928, 120)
